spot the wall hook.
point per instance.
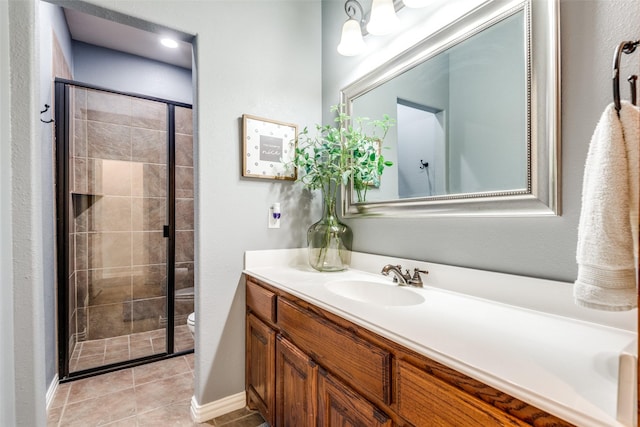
(46, 108)
(424, 164)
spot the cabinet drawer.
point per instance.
(364, 366)
(426, 400)
(261, 301)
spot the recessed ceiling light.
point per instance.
(170, 43)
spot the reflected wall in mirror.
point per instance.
(475, 106)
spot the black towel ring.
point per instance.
(624, 47)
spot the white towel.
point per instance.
(608, 230)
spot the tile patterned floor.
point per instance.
(89, 354)
(156, 394)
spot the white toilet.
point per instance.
(191, 324)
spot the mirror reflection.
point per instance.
(474, 106)
(461, 119)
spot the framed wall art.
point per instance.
(268, 146)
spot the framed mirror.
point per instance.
(476, 106)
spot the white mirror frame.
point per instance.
(542, 197)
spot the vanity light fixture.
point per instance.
(170, 43)
(382, 20)
(351, 42)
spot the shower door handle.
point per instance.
(165, 231)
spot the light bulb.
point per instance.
(170, 43)
(383, 18)
(351, 42)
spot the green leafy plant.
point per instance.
(349, 150)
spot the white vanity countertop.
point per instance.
(565, 366)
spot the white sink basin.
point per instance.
(374, 292)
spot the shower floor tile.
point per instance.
(94, 353)
(155, 394)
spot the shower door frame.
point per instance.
(62, 194)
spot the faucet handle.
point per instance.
(416, 280)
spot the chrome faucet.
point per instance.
(404, 279)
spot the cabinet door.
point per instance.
(260, 367)
(339, 406)
(296, 386)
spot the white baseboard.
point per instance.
(208, 411)
(51, 391)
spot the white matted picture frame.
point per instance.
(268, 146)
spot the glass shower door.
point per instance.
(184, 229)
(118, 260)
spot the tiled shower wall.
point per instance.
(119, 203)
(184, 210)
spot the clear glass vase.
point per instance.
(329, 241)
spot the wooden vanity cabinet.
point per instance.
(296, 386)
(308, 367)
(338, 350)
(339, 405)
(261, 301)
(260, 343)
(260, 366)
(424, 397)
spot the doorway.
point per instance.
(124, 197)
(422, 155)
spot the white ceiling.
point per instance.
(109, 34)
